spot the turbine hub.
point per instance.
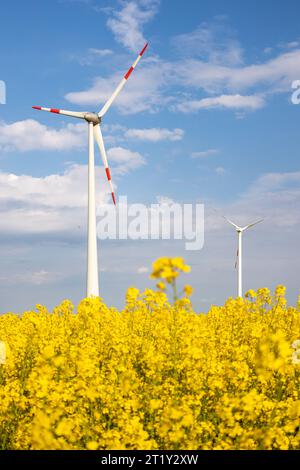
(92, 117)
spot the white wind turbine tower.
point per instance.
(238, 265)
(94, 131)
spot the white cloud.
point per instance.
(50, 204)
(220, 170)
(274, 75)
(205, 153)
(127, 23)
(117, 133)
(57, 190)
(292, 44)
(36, 278)
(155, 134)
(100, 52)
(268, 50)
(273, 196)
(212, 62)
(125, 159)
(32, 135)
(213, 42)
(237, 102)
(91, 56)
(143, 92)
(142, 270)
(278, 197)
(57, 202)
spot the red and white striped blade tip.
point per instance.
(51, 110)
(144, 48)
(113, 198)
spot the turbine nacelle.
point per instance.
(92, 117)
(242, 229)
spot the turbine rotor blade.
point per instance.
(76, 114)
(100, 142)
(230, 222)
(121, 84)
(252, 225)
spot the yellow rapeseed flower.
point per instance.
(153, 375)
(188, 290)
(161, 285)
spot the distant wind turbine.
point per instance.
(94, 121)
(238, 264)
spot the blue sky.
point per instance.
(206, 117)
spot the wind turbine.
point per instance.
(94, 132)
(238, 264)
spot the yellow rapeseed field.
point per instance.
(156, 375)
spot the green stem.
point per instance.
(175, 295)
